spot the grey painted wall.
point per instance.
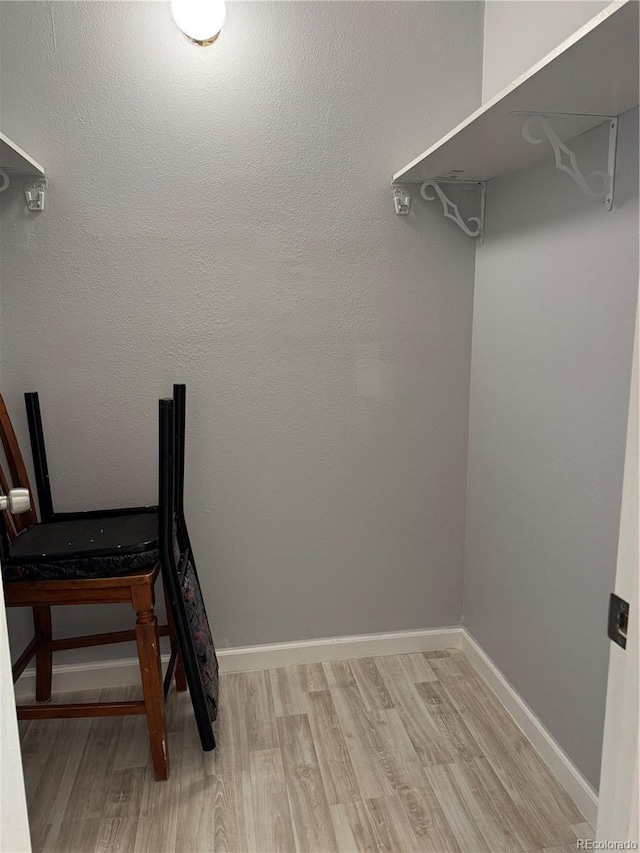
(555, 296)
(223, 217)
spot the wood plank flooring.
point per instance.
(404, 754)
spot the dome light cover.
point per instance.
(199, 20)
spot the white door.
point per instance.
(619, 792)
(14, 825)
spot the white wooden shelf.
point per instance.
(14, 160)
(590, 76)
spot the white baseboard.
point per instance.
(115, 673)
(541, 739)
(338, 648)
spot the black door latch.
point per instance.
(618, 620)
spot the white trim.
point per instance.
(338, 648)
(114, 673)
(14, 820)
(541, 739)
(619, 818)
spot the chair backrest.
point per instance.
(39, 454)
(17, 473)
(166, 481)
(179, 431)
(174, 565)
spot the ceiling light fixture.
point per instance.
(199, 20)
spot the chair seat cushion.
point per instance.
(84, 547)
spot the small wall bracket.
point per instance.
(566, 160)
(5, 180)
(402, 201)
(34, 194)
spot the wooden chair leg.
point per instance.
(42, 625)
(148, 641)
(181, 678)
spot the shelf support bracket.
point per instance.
(34, 194)
(402, 204)
(401, 201)
(566, 159)
(451, 210)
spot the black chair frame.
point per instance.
(171, 517)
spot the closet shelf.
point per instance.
(589, 78)
(14, 160)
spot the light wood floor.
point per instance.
(398, 754)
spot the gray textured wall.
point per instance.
(555, 296)
(223, 217)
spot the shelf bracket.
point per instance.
(451, 210)
(34, 194)
(402, 204)
(566, 159)
(401, 201)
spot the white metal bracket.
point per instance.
(566, 159)
(451, 210)
(34, 194)
(5, 180)
(402, 203)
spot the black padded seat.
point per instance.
(89, 546)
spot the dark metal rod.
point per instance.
(39, 453)
(169, 673)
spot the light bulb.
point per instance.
(199, 20)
